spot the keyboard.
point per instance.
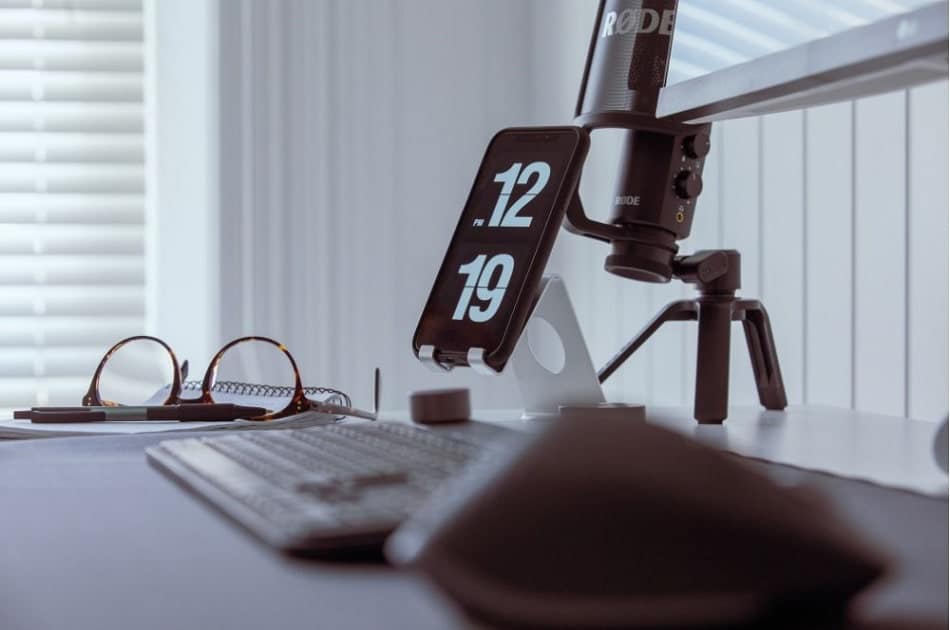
(322, 489)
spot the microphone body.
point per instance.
(660, 174)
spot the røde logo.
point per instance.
(639, 21)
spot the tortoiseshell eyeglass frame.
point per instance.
(299, 402)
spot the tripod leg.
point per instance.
(712, 361)
(765, 367)
(681, 310)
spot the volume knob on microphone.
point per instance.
(696, 146)
(687, 185)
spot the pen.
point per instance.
(181, 413)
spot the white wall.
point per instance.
(350, 134)
(181, 192)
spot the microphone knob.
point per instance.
(687, 185)
(696, 146)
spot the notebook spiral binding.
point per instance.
(327, 394)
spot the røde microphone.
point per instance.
(660, 178)
(661, 168)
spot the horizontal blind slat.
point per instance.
(20, 393)
(44, 177)
(20, 239)
(75, 240)
(72, 301)
(57, 361)
(98, 332)
(41, 85)
(71, 147)
(81, 117)
(73, 208)
(78, 270)
(46, 54)
(85, 5)
(71, 25)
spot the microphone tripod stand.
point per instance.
(716, 275)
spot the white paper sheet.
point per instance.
(22, 429)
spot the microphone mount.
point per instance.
(659, 181)
(716, 275)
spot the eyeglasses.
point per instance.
(128, 361)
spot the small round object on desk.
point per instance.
(434, 406)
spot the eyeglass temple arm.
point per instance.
(339, 410)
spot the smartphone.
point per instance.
(486, 287)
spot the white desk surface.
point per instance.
(93, 537)
(887, 450)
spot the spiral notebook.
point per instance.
(268, 396)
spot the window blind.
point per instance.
(71, 192)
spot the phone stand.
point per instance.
(716, 274)
(551, 362)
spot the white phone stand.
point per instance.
(550, 362)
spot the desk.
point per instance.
(92, 537)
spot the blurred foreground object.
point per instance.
(618, 523)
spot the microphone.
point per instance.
(654, 201)
(660, 173)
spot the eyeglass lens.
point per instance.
(259, 362)
(135, 373)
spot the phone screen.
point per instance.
(502, 240)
